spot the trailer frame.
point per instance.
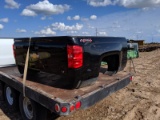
(46, 95)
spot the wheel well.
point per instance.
(111, 63)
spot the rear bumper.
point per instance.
(95, 96)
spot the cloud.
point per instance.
(44, 8)
(43, 18)
(4, 20)
(125, 3)
(62, 27)
(59, 28)
(85, 33)
(76, 17)
(47, 31)
(97, 3)
(84, 19)
(11, 4)
(21, 30)
(69, 18)
(135, 24)
(102, 33)
(72, 32)
(93, 17)
(1, 27)
(46, 17)
(138, 3)
(27, 12)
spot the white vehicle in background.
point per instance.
(6, 52)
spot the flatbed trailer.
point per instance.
(42, 91)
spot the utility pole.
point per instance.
(96, 31)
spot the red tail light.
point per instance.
(63, 109)
(71, 108)
(75, 56)
(78, 105)
(57, 107)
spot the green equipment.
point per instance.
(132, 51)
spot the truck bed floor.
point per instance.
(45, 84)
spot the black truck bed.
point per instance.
(42, 88)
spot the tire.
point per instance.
(31, 110)
(1, 91)
(11, 97)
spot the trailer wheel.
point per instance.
(30, 110)
(11, 97)
(1, 91)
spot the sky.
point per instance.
(133, 19)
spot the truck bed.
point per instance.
(42, 88)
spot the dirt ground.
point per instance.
(140, 100)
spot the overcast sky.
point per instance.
(133, 19)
